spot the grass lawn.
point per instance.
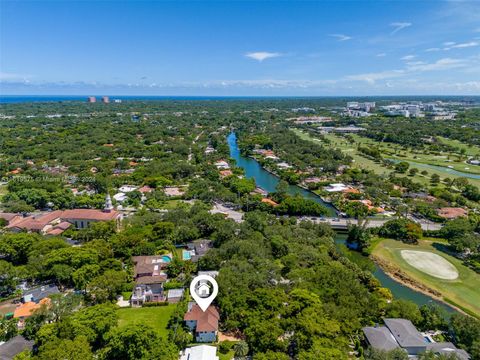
(469, 149)
(227, 356)
(3, 190)
(171, 204)
(463, 291)
(157, 317)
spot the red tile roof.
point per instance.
(206, 320)
(36, 222)
(39, 222)
(451, 212)
(9, 216)
(145, 189)
(89, 214)
(269, 202)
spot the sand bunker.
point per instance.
(430, 263)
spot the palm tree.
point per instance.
(240, 349)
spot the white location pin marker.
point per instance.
(202, 292)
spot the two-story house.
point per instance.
(204, 324)
(149, 277)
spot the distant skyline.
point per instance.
(240, 48)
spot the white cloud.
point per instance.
(341, 37)
(465, 45)
(442, 64)
(414, 63)
(13, 77)
(448, 43)
(262, 55)
(408, 57)
(372, 77)
(381, 55)
(399, 26)
(433, 49)
(414, 67)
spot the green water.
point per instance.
(268, 182)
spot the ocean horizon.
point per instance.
(13, 99)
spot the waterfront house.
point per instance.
(401, 333)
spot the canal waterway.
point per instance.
(268, 182)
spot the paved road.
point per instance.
(340, 223)
(335, 223)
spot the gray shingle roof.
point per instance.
(380, 338)
(448, 348)
(40, 293)
(405, 332)
(14, 346)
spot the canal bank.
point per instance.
(268, 181)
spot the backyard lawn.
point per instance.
(462, 291)
(157, 317)
(227, 356)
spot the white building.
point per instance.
(336, 187)
(127, 188)
(200, 352)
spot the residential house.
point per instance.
(204, 324)
(149, 276)
(42, 223)
(173, 191)
(259, 191)
(269, 202)
(451, 212)
(127, 188)
(222, 164)
(338, 187)
(199, 248)
(200, 352)
(225, 173)
(15, 346)
(145, 189)
(212, 273)
(39, 293)
(10, 217)
(25, 310)
(284, 165)
(401, 333)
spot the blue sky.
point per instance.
(240, 47)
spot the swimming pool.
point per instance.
(186, 255)
(166, 258)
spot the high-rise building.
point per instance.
(105, 99)
(92, 99)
